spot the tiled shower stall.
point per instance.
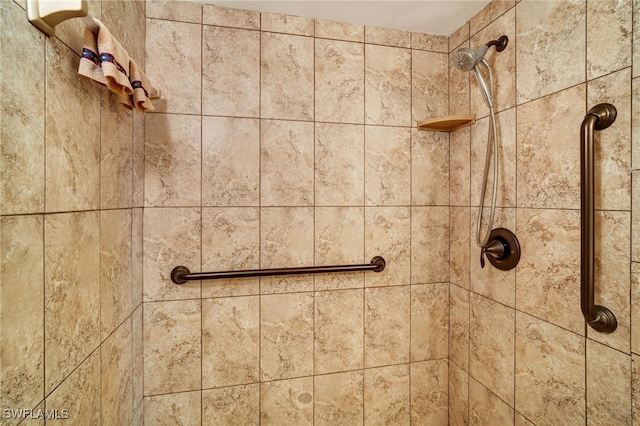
(284, 141)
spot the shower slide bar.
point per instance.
(598, 317)
(181, 274)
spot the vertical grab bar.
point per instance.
(598, 317)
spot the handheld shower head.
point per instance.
(466, 59)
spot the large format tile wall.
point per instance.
(71, 227)
(285, 141)
(519, 349)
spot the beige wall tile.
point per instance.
(609, 36)
(21, 298)
(459, 246)
(548, 275)
(137, 161)
(173, 409)
(287, 24)
(339, 165)
(339, 398)
(548, 172)
(339, 81)
(485, 408)
(230, 72)
(388, 234)
(636, 39)
(429, 228)
(137, 369)
(137, 259)
(635, 306)
(459, 36)
(173, 160)
(172, 347)
(227, 17)
(520, 419)
(544, 68)
(459, 326)
(174, 62)
(116, 376)
(286, 163)
(429, 392)
(429, 322)
(490, 14)
(231, 405)
(492, 346)
(339, 335)
(387, 172)
(173, 11)
(286, 78)
(546, 355)
(608, 385)
(116, 152)
(432, 42)
(387, 85)
(458, 396)
(386, 326)
(386, 395)
(387, 36)
(230, 341)
(72, 292)
(460, 167)
(429, 85)
(230, 242)
(635, 387)
(171, 238)
(286, 336)
(230, 161)
(460, 88)
(339, 30)
(287, 402)
(23, 113)
(429, 168)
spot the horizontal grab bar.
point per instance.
(598, 317)
(182, 274)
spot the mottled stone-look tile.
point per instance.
(232, 405)
(612, 147)
(72, 292)
(286, 78)
(612, 277)
(286, 241)
(137, 259)
(286, 163)
(520, 420)
(636, 39)
(115, 266)
(459, 246)
(182, 409)
(230, 72)
(459, 36)
(388, 234)
(171, 238)
(137, 161)
(460, 167)
(80, 394)
(548, 172)
(339, 165)
(339, 240)
(489, 281)
(635, 387)
(230, 161)
(387, 395)
(459, 326)
(339, 324)
(608, 385)
(287, 402)
(116, 127)
(339, 81)
(429, 168)
(635, 307)
(387, 173)
(387, 85)
(429, 321)
(430, 85)
(492, 346)
(286, 336)
(387, 36)
(339, 30)
(173, 11)
(73, 146)
(550, 372)
(173, 160)
(287, 24)
(339, 398)
(21, 297)
(23, 115)
(230, 341)
(386, 325)
(489, 14)
(458, 396)
(429, 228)
(485, 408)
(506, 133)
(228, 17)
(172, 346)
(116, 376)
(429, 392)
(230, 242)
(556, 64)
(609, 36)
(459, 89)
(548, 275)
(137, 368)
(432, 42)
(174, 63)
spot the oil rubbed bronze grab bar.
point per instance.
(598, 317)
(181, 274)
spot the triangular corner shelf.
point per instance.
(448, 123)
